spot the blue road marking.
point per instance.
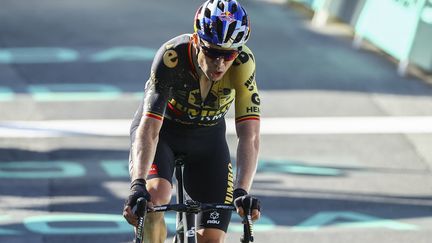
(43, 224)
(37, 55)
(51, 169)
(74, 92)
(33, 55)
(126, 53)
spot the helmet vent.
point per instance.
(219, 29)
(239, 37)
(245, 20)
(207, 13)
(221, 6)
(234, 8)
(231, 29)
(207, 30)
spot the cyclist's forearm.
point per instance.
(247, 158)
(144, 150)
(247, 154)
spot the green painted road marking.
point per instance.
(74, 92)
(6, 94)
(29, 55)
(116, 168)
(119, 168)
(126, 53)
(284, 166)
(353, 220)
(41, 170)
(44, 224)
(37, 55)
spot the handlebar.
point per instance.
(191, 207)
(195, 207)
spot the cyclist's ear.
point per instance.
(195, 39)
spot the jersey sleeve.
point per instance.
(247, 101)
(158, 87)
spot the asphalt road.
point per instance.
(333, 167)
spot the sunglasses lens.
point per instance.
(231, 56)
(214, 53)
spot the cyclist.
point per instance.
(194, 79)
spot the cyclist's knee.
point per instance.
(160, 190)
(211, 236)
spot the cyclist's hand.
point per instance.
(243, 202)
(138, 189)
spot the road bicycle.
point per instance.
(186, 210)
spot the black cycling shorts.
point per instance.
(208, 175)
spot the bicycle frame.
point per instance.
(185, 222)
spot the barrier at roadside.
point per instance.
(401, 28)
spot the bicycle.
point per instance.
(186, 210)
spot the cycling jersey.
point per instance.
(173, 90)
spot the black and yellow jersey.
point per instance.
(173, 89)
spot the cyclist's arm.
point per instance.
(156, 95)
(247, 152)
(144, 149)
(247, 110)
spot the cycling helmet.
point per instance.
(224, 23)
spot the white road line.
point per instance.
(304, 125)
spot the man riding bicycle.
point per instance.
(194, 79)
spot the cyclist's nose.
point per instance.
(219, 61)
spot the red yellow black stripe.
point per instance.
(194, 72)
(249, 117)
(154, 115)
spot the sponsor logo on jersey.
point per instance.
(204, 115)
(153, 170)
(250, 83)
(170, 58)
(256, 99)
(230, 187)
(252, 109)
(214, 216)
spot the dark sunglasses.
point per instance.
(213, 53)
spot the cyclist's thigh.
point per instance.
(209, 179)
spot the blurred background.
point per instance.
(345, 85)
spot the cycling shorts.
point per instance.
(207, 175)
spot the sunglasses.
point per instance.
(213, 53)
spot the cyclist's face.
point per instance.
(215, 61)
